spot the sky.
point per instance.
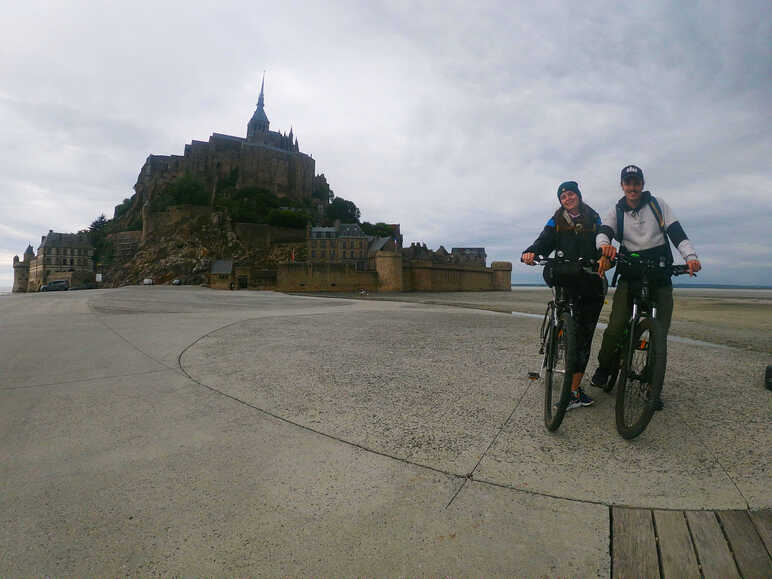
(457, 120)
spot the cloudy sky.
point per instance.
(456, 119)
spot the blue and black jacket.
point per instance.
(574, 240)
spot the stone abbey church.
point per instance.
(266, 159)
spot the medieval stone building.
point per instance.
(61, 256)
(267, 159)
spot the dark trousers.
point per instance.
(588, 298)
(622, 309)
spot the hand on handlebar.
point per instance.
(604, 264)
(609, 251)
(528, 258)
(694, 266)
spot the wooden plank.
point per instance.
(675, 545)
(712, 551)
(749, 551)
(763, 522)
(633, 544)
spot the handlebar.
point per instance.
(651, 264)
(587, 265)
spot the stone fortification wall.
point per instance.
(391, 274)
(426, 276)
(125, 243)
(388, 265)
(262, 235)
(324, 277)
(285, 173)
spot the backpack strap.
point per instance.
(657, 210)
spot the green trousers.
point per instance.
(622, 309)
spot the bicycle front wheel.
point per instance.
(561, 361)
(641, 378)
(614, 374)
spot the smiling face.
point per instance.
(569, 200)
(633, 189)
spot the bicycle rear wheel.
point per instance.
(641, 378)
(561, 361)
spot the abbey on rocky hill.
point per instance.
(266, 159)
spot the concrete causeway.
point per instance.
(185, 431)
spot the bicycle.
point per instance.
(638, 370)
(557, 337)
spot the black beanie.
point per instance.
(569, 186)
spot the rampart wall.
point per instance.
(333, 277)
(262, 235)
(393, 275)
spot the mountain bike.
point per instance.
(557, 337)
(641, 356)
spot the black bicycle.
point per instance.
(641, 356)
(557, 337)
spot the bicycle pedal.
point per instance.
(533, 375)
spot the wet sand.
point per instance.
(738, 318)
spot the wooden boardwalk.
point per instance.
(721, 544)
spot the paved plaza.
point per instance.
(185, 431)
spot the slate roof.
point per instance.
(350, 230)
(377, 244)
(468, 251)
(222, 266)
(317, 232)
(65, 240)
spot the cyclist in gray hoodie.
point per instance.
(642, 224)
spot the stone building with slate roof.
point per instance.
(60, 256)
(343, 243)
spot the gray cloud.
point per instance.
(456, 120)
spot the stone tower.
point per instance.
(259, 122)
(21, 270)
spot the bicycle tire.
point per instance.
(641, 378)
(561, 361)
(613, 375)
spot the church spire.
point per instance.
(261, 98)
(259, 122)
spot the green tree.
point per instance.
(184, 190)
(286, 218)
(380, 229)
(121, 209)
(344, 210)
(97, 236)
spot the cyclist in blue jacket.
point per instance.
(572, 230)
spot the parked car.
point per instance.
(147, 281)
(176, 282)
(56, 286)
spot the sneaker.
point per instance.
(600, 378)
(578, 399)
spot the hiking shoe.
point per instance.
(578, 399)
(600, 378)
